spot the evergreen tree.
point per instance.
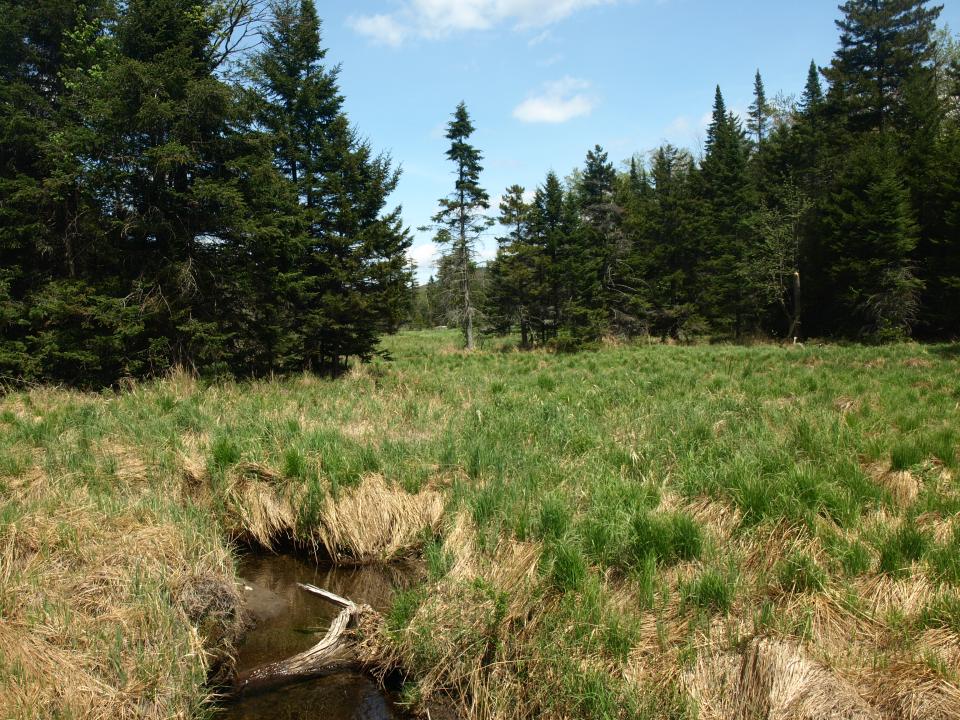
(604, 286)
(178, 182)
(460, 220)
(872, 234)
(54, 322)
(672, 245)
(813, 90)
(346, 280)
(512, 297)
(883, 45)
(760, 111)
(145, 223)
(552, 233)
(939, 247)
(726, 193)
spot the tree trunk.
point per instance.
(797, 308)
(469, 323)
(467, 301)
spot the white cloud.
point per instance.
(557, 102)
(685, 130)
(679, 126)
(384, 29)
(539, 38)
(550, 61)
(424, 255)
(441, 18)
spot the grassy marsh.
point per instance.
(611, 534)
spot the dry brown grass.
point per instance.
(376, 522)
(480, 632)
(108, 614)
(882, 595)
(772, 680)
(259, 507)
(903, 486)
(908, 691)
(370, 523)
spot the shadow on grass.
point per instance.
(948, 352)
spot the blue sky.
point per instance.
(545, 80)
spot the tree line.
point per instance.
(172, 195)
(831, 215)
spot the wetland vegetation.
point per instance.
(607, 534)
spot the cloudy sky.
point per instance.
(545, 80)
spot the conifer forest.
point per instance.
(831, 213)
(173, 193)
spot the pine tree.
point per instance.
(872, 233)
(883, 45)
(345, 280)
(672, 245)
(939, 247)
(813, 90)
(161, 161)
(552, 232)
(513, 292)
(604, 284)
(760, 111)
(726, 194)
(460, 220)
(67, 317)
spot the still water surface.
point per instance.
(290, 620)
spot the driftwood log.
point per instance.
(338, 651)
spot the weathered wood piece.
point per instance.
(330, 597)
(336, 652)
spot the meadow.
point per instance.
(637, 531)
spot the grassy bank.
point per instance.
(659, 531)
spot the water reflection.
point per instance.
(347, 697)
(290, 620)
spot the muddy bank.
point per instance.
(287, 621)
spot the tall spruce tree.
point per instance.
(813, 90)
(726, 192)
(553, 223)
(514, 287)
(672, 245)
(872, 233)
(883, 45)
(62, 314)
(760, 111)
(461, 218)
(345, 280)
(605, 286)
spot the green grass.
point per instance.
(658, 485)
(713, 589)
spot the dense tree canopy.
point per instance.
(154, 214)
(168, 200)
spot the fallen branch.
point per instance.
(336, 652)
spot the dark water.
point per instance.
(290, 620)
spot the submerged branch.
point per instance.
(338, 651)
